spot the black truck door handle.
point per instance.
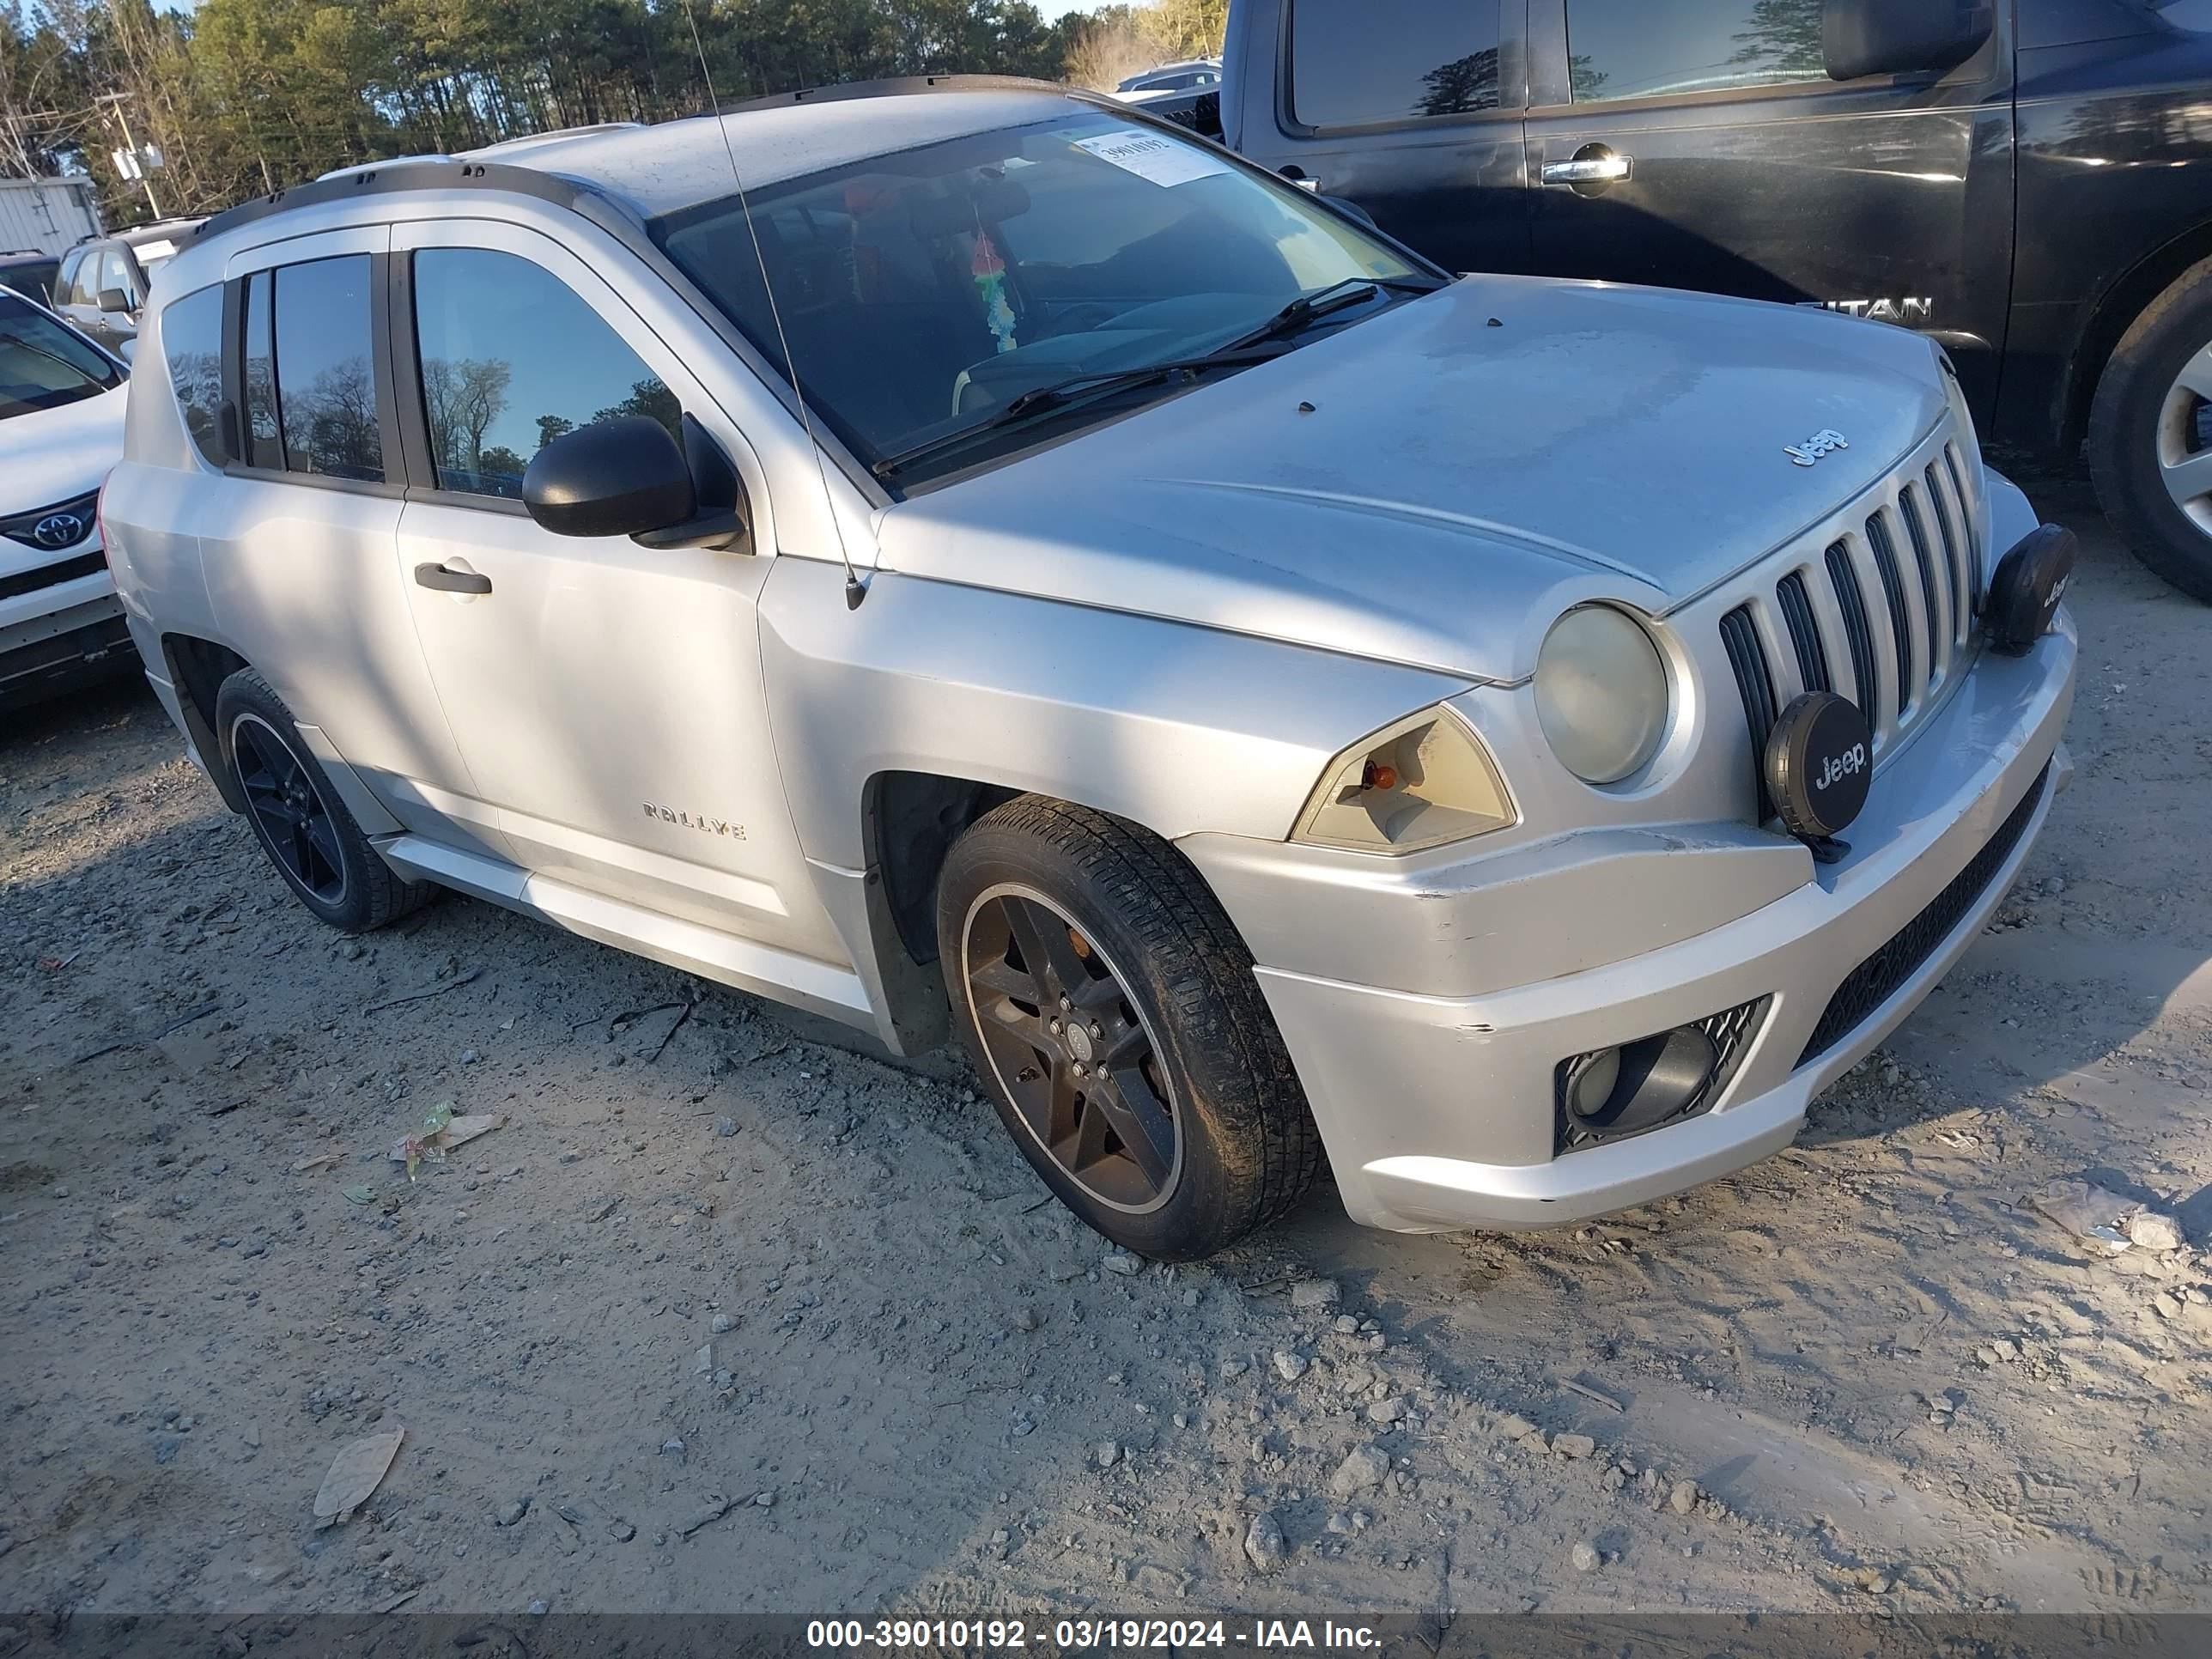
(451, 581)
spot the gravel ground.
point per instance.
(725, 1318)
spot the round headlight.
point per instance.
(1601, 694)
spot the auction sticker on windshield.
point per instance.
(1153, 156)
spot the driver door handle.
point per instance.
(451, 581)
(1590, 170)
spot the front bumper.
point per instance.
(58, 637)
(1438, 1108)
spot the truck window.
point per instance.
(68, 283)
(493, 395)
(1659, 48)
(114, 274)
(325, 389)
(1367, 62)
(192, 345)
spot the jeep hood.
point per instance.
(1454, 476)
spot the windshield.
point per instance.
(924, 291)
(45, 364)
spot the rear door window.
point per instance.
(1662, 48)
(326, 382)
(1370, 62)
(192, 345)
(494, 394)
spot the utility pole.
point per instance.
(130, 147)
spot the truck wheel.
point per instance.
(2150, 434)
(1110, 1008)
(298, 818)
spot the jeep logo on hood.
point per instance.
(1821, 443)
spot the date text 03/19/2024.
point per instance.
(1258, 1636)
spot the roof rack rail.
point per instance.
(389, 162)
(901, 86)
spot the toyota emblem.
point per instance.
(58, 529)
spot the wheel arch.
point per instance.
(197, 668)
(2111, 315)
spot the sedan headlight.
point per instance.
(1601, 694)
(1420, 783)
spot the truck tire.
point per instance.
(2150, 434)
(297, 817)
(1110, 1009)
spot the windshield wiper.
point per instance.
(1337, 296)
(1044, 400)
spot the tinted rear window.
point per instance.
(1363, 62)
(325, 387)
(192, 344)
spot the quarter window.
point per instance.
(263, 448)
(1659, 48)
(494, 394)
(192, 344)
(325, 386)
(1363, 62)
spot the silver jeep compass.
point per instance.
(974, 557)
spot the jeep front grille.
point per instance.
(1893, 602)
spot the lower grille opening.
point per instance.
(1615, 1094)
(1875, 980)
(52, 575)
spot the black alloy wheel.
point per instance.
(1114, 1020)
(288, 810)
(1070, 1049)
(299, 816)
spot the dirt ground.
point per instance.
(728, 1318)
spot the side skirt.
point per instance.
(817, 986)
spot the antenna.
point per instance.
(855, 589)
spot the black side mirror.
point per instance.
(1901, 37)
(114, 299)
(629, 477)
(612, 478)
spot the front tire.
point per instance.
(2150, 434)
(1111, 1011)
(297, 817)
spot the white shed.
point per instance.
(45, 215)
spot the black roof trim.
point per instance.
(559, 189)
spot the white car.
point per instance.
(61, 430)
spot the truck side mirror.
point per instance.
(1901, 37)
(114, 300)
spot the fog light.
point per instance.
(2030, 582)
(1591, 1079)
(1611, 1093)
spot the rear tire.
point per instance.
(2150, 434)
(1136, 1065)
(298, 818)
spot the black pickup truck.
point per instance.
(2029, 181)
